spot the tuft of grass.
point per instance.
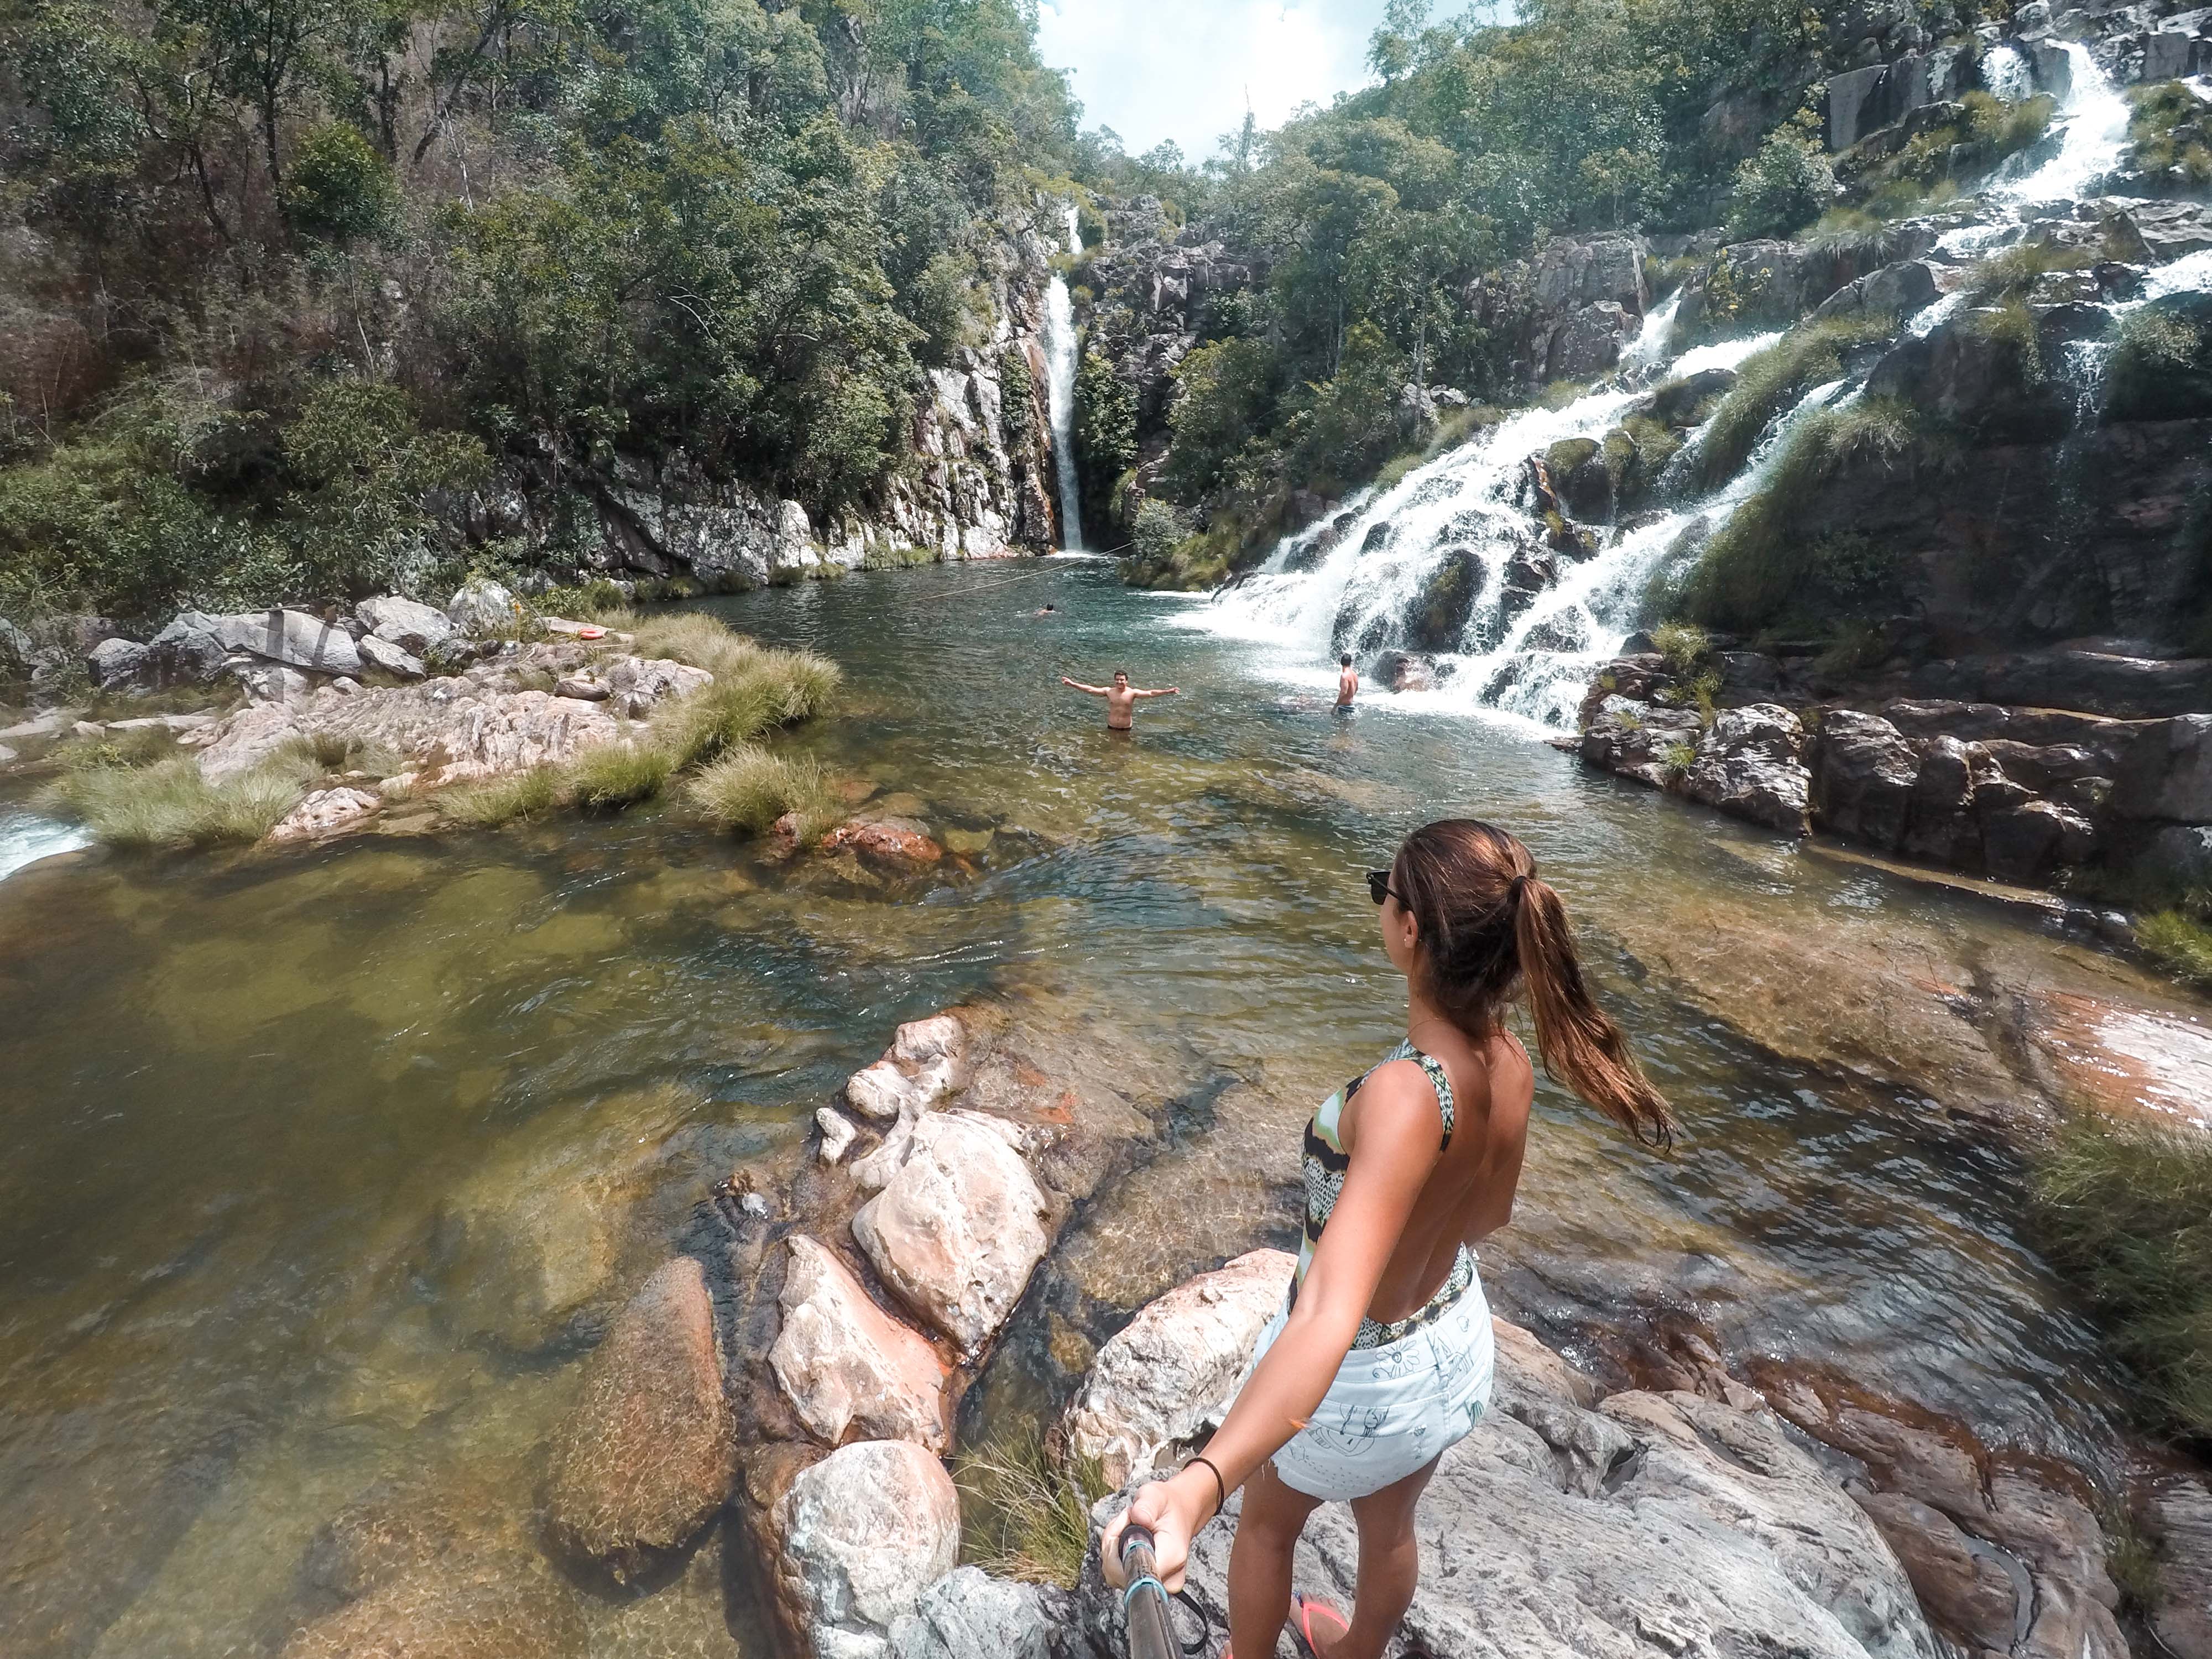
(1678, 758)
(1682, 644)
(2179, 943)
(496, 801)
(612, 775)
(169, 804)
(2126, 1208)
(749, 788)
(2009, 273)
(696, 638)
(1770, 381)
(2131, 1556)
(2170, 134)
(1028, 1516)
(116, 751)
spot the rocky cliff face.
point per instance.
(976, 481)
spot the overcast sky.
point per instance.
(1154, 70)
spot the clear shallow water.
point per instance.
(250, 1104)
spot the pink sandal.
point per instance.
(1305, 1607)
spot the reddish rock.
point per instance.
(885, 840)
(648, 1454)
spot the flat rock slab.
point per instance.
(1659, 1525)
(291, 637)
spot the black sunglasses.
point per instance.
(1378, 888)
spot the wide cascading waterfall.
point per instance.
(1350, 583)
(1059, 387)
(2089, 146)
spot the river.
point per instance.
(262, 1112)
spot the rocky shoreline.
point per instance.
(2110, 772)
(801, 1362)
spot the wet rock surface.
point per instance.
(846, 1365)
(648, 1455)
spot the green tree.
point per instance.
(1105, 437)
(340, 188)
(1785, 186)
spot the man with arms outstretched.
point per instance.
(1120, 698)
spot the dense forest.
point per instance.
(286, 280)
(279, 273)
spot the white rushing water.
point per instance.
(1527, 659)
(2005, 71)
(1649, 348)
(26, 837)
(2091, 141)
(1059, 389)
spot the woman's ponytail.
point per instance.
(1486, 923)
(1580, 1046)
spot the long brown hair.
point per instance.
(1488, 925)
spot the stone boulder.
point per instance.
(290, 637)
(1750, 765)
(2181, 1505)
(648, 1454)
(2158, 232)
(188, 652)
(1897, 290)
(481, 607)
(483, 1614)
(391, 659)
(2167, 772)
(921, 1069)
(1438, 614)
(323, 812)
(1968, 370)
(1643, 741)
(1167, 1376)
(968, 1614)
(858, 1538)
(116, 664)
(410, 625)
(1638, 1524)
(1863, 778)
(845, 1364)
(957, 1231)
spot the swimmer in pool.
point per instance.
(1120, 698)
(1348, 683)
(1049, 611)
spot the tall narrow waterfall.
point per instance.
(1060, 364)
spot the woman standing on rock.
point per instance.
(1381, 1359)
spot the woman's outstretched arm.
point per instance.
(1394, 1150)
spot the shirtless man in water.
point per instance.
(1348, 683)
(1120, 698)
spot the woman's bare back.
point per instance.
(1469, 1194)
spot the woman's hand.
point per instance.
(1174, 1509)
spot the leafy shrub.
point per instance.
(338, 188)
(1682, 644)
(1155, 531)
(2126, 1208)
(2180, 944)
(495, 801)
(1679, 757)
(1789, 182)
(2170, 134)
(1105, 436)
(1026, 1517)
(1758, 567)
(2009, 274)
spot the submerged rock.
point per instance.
(859, 1537)
(1169, 1374)
(648, 1454)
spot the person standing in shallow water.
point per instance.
(1120, 698)
(1381, 1356)
(1348, 683)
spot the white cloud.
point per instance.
(1181, 70)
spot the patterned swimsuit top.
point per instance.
(1326, 1165)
